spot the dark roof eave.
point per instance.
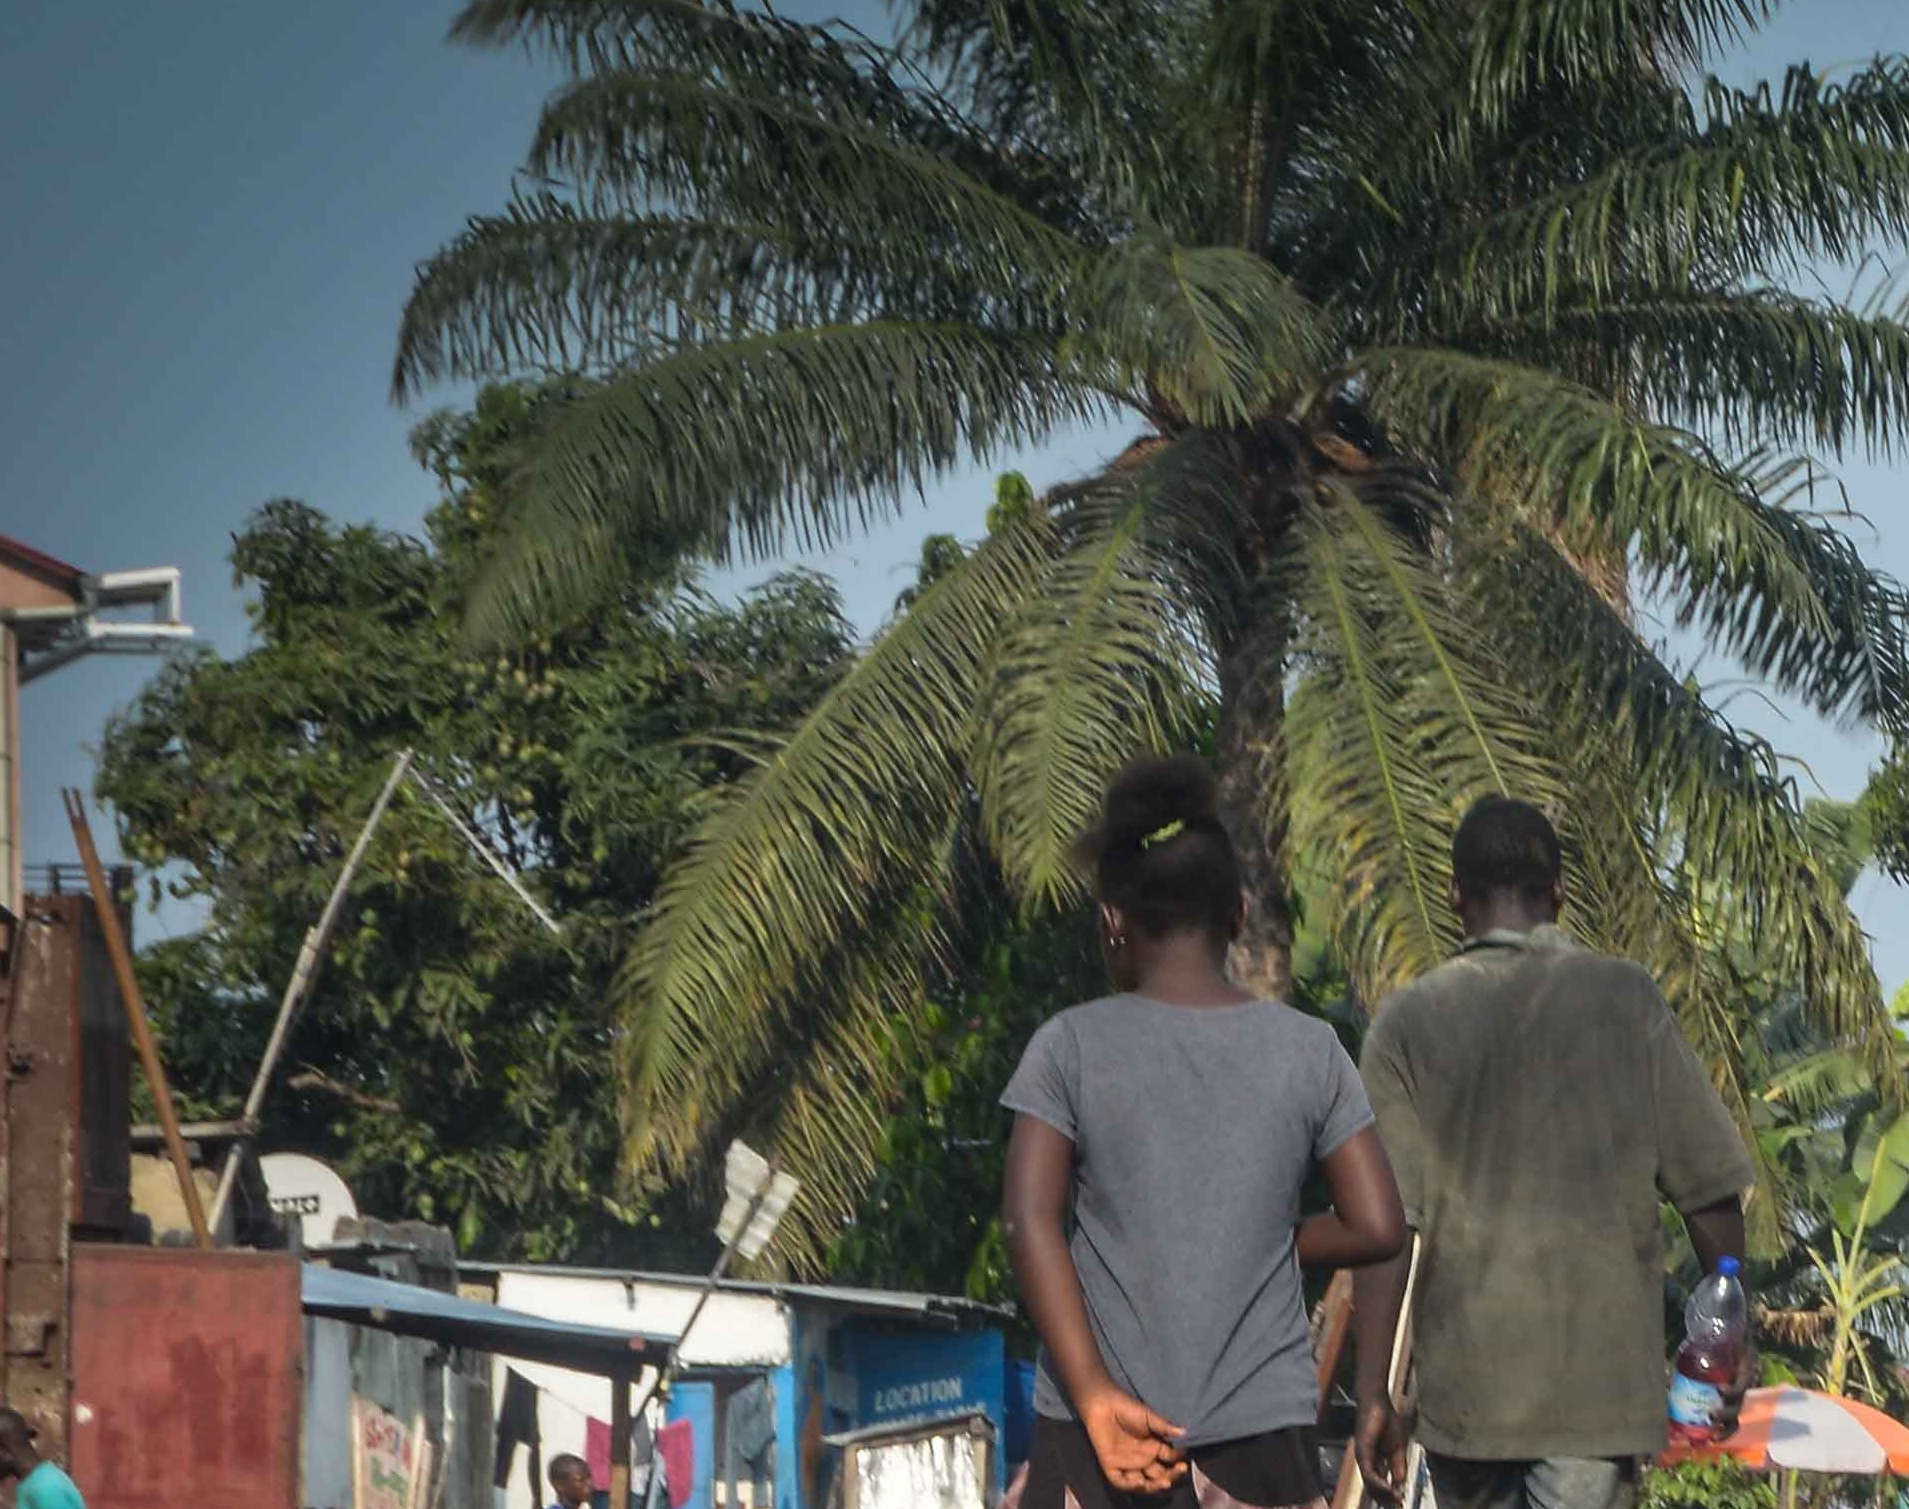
(58, 572)
(606, 1360)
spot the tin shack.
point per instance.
(772, 1377)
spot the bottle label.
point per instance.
(1694, 1404)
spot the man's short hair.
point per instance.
(563, 1464)
(1506, 845)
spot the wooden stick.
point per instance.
(1350, 1493)
(1335, 1325)
(304, 971)
(135, 1003)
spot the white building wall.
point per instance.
(734, 1330)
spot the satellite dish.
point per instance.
(303, 1187)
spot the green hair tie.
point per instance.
(1160, 835)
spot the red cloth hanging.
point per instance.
(676, 1448)
(596, 1451)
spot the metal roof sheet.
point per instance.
(944, 1308)
(410, 1310)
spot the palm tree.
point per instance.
(1419, 310)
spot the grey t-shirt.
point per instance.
(1194, 1129)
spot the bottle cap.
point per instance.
(1729, 1267)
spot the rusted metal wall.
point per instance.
(64, 1157)
(42, 1108)
(188, 1378)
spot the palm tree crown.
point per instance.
(1443, 325)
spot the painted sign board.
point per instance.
(391, 1470)
(303, 1187)
(902, 1377)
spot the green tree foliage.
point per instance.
(454, 1058)
(1829, 1234)
(929, 1221)
(1417, 310)
(1885, 808)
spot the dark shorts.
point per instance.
(1279, 1470)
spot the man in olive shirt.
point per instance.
(1538, 1100)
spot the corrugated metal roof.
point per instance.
(947, 1309)
(409, 1310)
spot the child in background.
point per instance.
(570, 1477)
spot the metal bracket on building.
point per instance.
(28, 1335)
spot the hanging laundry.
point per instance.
(596, 1450)
(642, 1457)
(676, 1446)
(750, 1437)
(517, 1426)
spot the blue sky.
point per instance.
(213, 211)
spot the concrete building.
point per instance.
(51, 614)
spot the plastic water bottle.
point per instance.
(1716, 1320)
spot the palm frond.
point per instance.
(1811, 1084)
(1788, 594)
(780, 440)
(1719, 794)
(1755, 190)
(688, 36)
(1624, 899)
(546, 287)
(825, 1101)
(1761, 366)
(1215, 332)
(1099, 667)
(1518, 44)
(1401, 721)
(831, 70)
(631, 141)
(1095, 90)
(851, 812)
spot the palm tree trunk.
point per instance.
(1252, 770)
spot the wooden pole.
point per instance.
(135, 1003)
(620, 1433)
(303, 973)
(667, 1371)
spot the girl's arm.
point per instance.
(1134, 1444)
(1367, 1222)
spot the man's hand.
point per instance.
(1749, 1368)
(1134, 1445)
(1379, 1443)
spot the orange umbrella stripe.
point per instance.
(1750, 1444)
(1892, 1435)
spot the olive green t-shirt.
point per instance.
(1537, 1100)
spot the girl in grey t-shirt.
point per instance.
(1177, 1121)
